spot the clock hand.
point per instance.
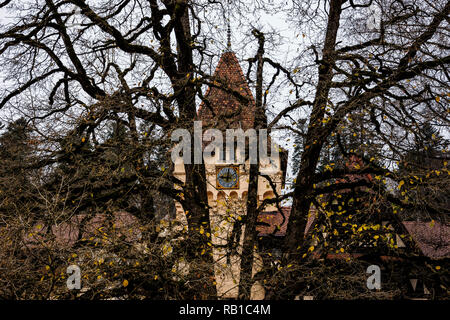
(227, 177)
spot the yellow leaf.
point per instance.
(438, 99)
(400, 184)
(125, 283)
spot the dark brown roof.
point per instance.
(228, 75)
(273, 223)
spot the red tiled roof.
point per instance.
(352, 164)
(277, 222)
(228, 74)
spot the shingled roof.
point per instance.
(432, 238)
(223, 109)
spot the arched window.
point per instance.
(221, 198)
(210, 197)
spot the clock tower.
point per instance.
(227, 181)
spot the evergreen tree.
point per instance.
(15, 151)
(420, 170)
(298, 150)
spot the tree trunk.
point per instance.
(201, 272)
(315, 139)
(246, 267)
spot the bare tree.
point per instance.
(103, 85)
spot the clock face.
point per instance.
(228, 177)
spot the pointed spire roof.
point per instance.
(223, 108)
